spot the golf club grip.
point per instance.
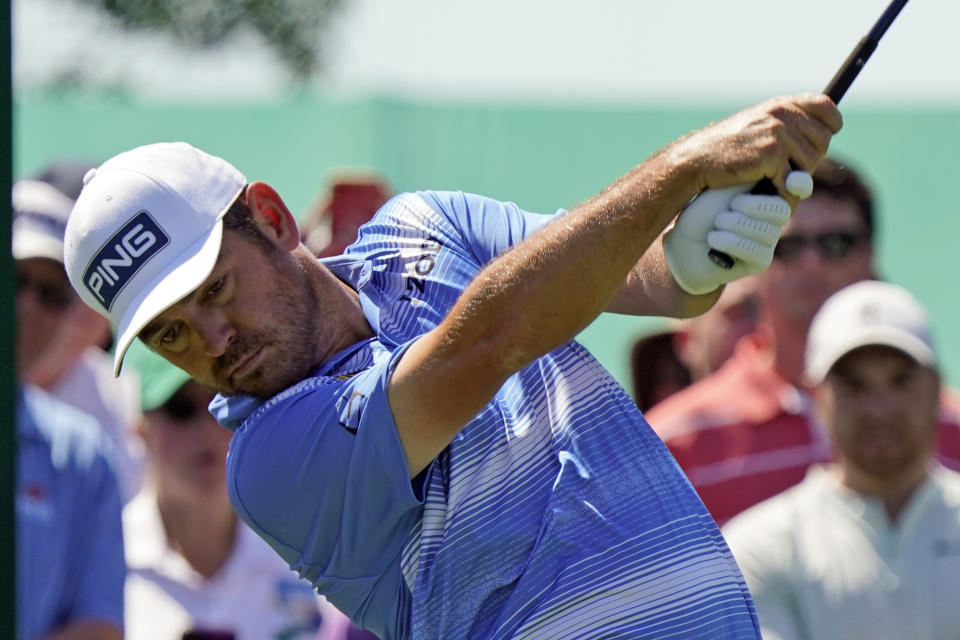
(835, 90)
(724, 260)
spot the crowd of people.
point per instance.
(823, 440)
(397, 456)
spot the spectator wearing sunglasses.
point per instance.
(70, 568)
(194, 569)
(59, 337)
(747, 432)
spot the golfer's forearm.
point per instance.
(548, 288)
(526, 303)
(651, 290)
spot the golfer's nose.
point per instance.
(215, 331)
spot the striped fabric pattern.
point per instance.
(557, 512)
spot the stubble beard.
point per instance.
(290, 343)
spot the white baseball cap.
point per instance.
(867, 313)
(40, 213)
(146, 231)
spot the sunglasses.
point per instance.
(183, 406)
(830, 245)
(52, 295)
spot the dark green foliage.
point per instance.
(292, 27)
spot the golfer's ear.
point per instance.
(272, 215)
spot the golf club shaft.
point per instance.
(836, 89)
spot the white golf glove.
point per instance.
(742, 225)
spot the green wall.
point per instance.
(543, 158)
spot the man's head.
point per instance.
(43, 292)
(146, 230)
(871, 361)
(656, 369)
(826, 245)
(172, 245)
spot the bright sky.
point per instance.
(543, 50)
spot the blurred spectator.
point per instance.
(705, 342)
(745, 432)
(331, 224)
(59, 336)
(868, 547)
(665, 362)
(655, 368)
(66, 176)
(195, 570)
(69, 542)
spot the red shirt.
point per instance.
(745, 434)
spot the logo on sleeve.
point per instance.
(351, 410)
(122, 256)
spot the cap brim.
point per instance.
(882, 337)
(28, 243)
(194, 265)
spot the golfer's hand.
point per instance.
(742, 225)
(768, 140)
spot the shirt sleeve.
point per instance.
(319, 472)
(488, 227)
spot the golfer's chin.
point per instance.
(267, 379)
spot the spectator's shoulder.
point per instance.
(72, 435)
(764, 538)
(784, 514)
(949, 482)
(772, 517)
(948, 435)
(711, 402)
(950, 406)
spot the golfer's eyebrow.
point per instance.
(152, 327)
(147, 333)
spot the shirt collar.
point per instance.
(870, 508)
(231, 411)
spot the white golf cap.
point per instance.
(40, 213)
(867, 313)
(146, 231)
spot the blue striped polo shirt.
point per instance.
(555, 513)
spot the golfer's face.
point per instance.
(248, 329)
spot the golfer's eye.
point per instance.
(215, 288)
(169, 336)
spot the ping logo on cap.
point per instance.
(122, 256)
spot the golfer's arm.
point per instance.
(528, 302)
(650, 290)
